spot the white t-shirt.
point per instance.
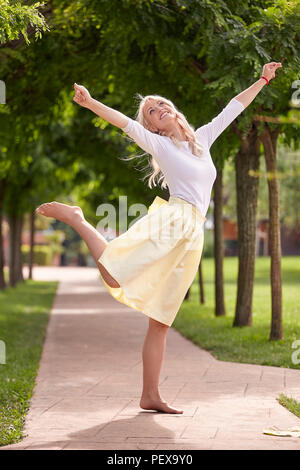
(188, 176)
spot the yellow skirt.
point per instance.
(155, 261)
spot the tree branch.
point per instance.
(278, 120)
(195, 66)
(15, 43)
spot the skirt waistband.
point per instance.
(179, 200)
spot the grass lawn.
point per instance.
(248, 344)
(24, 313)
(291, 404)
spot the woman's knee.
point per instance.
(158, 326)
(107, 277)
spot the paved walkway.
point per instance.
(89, 383)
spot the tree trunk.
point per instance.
(269, 140)
(219, 245)
(187, 295)
(2, 278)
(247, 192)
(12, 235)
(201, 286)
(15, 254)
(19, 257)
(31, 252)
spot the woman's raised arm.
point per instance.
(247, 96)
(83, 98)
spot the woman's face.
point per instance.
(159, 114)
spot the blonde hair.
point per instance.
(187, 129)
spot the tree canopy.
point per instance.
(199, 54)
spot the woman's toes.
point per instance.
(62, 212)
(42, 208)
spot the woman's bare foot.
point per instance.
(157, 405)
(59, 211)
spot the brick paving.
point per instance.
(90, 378)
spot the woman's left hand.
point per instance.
(270, 69)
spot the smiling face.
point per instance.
(159, 114)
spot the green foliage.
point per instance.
(199, 54)
(42, 254)
(16, 17)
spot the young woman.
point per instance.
(143, 268)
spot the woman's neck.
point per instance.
(178, 133)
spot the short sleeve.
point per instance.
(147, 140)
(211, 131)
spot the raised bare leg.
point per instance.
(73, 216)
(153, 353)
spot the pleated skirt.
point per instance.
(155, 261)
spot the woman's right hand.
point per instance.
(82, 95)
(270, 69)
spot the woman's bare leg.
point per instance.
(153, 354)
(154, 345)
(73, 216)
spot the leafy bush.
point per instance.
(42, 254)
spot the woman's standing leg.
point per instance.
(154, 345)
(153, 354)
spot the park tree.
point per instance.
(17, 22)
(278, 26)
(286, 35)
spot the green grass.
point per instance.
(24, 313)
(290, 403)
(248, 344)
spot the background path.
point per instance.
(90, 379)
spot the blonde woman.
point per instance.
(151, 266)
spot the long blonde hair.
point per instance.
(187, 129)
